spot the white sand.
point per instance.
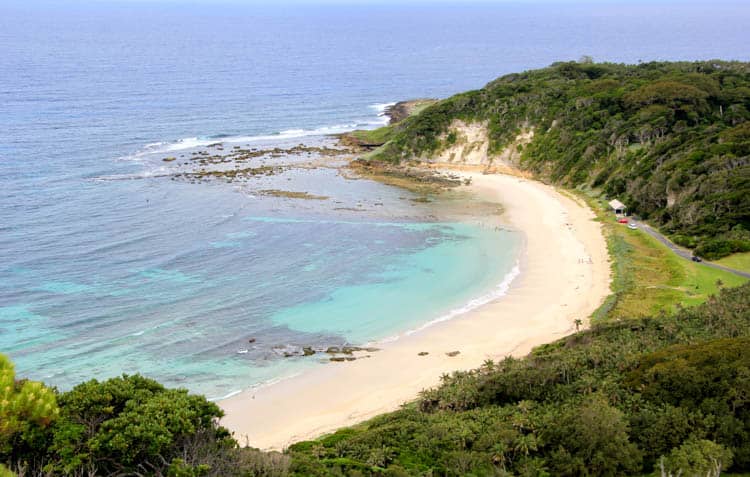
(558, 284)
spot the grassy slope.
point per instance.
(421, 106)
(374, 136)
(739, 261)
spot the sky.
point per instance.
(50, 6)
(368, 2)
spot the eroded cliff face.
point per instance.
(465, 143)
(468, 144)
(511, 154)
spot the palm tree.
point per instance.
(488, 365)
(525, 444)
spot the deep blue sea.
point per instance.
(108, 266)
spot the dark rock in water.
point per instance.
(251, 340)
(291, 194)
(349, 350)
(169, 159)
(287, 351)
(453, 353)
(355, 349)
(339, 359)
(422, 353)
(308, 351)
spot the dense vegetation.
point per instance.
(624, 398)
(672, 140)
(123, 426)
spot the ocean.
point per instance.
(109, 265)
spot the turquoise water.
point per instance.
(285, 281)
(108, 266)
(461, 263)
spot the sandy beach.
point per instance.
(565, 275)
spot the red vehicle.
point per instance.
(622, 220)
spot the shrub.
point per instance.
(697, 458)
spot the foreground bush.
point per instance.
(129, 425)
(27, 410)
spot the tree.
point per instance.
(696, 458)
(26, 407)
(133, 424)
(592, 439)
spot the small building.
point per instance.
(617, 206)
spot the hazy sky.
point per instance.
(362, 2)
(11, 5)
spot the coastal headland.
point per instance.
(564, 276)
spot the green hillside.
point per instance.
(671, 140)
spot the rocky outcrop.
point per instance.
(403, 109)
(420, 180)
(357, 142)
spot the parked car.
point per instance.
(696, 258)
(632, 226)
(622, 220)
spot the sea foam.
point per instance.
(193, 142)
(498, 292)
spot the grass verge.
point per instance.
(648, 278)
(738, 261)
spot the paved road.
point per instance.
(684, 253)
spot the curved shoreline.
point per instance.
(565, 275)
